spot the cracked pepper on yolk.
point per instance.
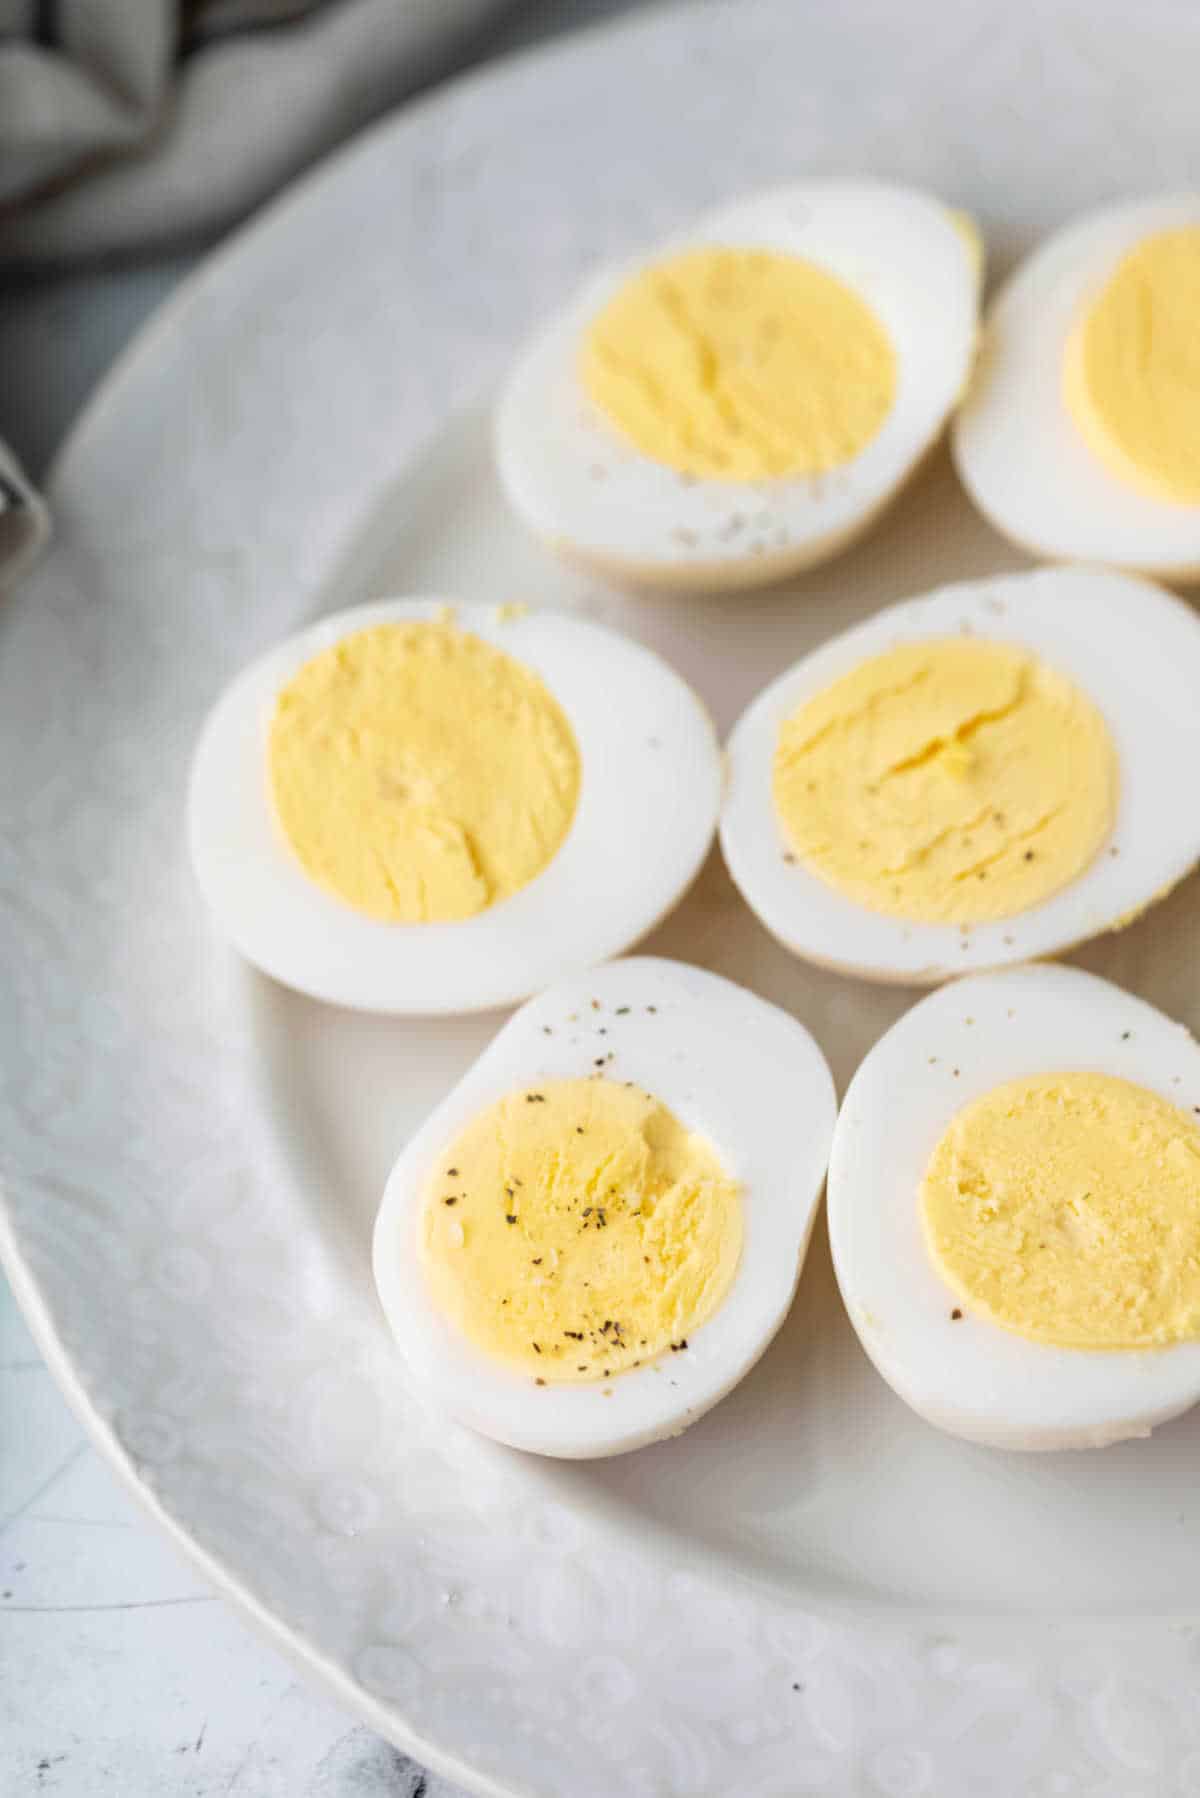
(947, 782)
(1066, 1207)
(741, 365)
(576, 1228)
(1131, 378)
(419, 774)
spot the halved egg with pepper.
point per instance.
(978, 776)
(1080, 435)
(1014, 1210)
(413, 808)
(596, 1235)
(743, 402)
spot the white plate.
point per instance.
(810, 1590)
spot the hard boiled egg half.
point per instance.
(596, 1235)
(744, 401)
(1080, 436)
(989, 773)
(1014, 1210)
(416, 808)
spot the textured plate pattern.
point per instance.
(230, 1356)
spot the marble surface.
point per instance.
(121, 1674)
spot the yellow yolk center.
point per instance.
(946, 782)
(576, 1228)
(1066, 1207)
(741, 365)
(1132, 371)
(419, 774)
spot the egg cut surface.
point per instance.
(1080, 434)
(416, 808)
(1014, 1210)
(599, 1231)
(742, 403)
(979, 776)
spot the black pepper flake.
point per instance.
(956, 1315)
(606, 1326)
(579, 1129)
(1125, 1035)
(601, 1220)
(537, 1348)
(1029, 855)
(575, 1335)
(546, 1030)
(956, 1071)
(450, 1201)
(451, 1173)
(537, 1261)
(789, 858)
(539, 1381)
(582, 1367)
(603, 1031)
(622, 1011)
(510, 1217)
(587, 1211)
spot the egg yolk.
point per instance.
(946, 782)
(576, 1228)
(419, 774)
(1132, 368)
(741, 365)
(1066, 1207)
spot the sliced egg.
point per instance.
(413, 808)
(1034, 804)
(596, 1235)
(1034, 1235)
(1078, 436)
(742, 404)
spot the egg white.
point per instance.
(742, 1073)
(577, 483)
(1018, 451)
(970, 1376)
(649, 792)
(1133, 649)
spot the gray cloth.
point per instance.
(128, 124)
